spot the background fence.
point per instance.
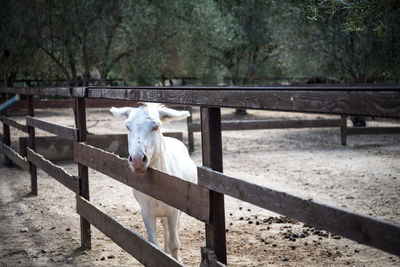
(205, 200)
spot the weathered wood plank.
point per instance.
(352, 100)
(15, 124)
(14, 157)
(383, 101)
(183, 195)
(237, 125)
(212, 158)
(189, 121)
(31, 144)
(80, 92)
(56, 148)
(372, 130)
(69, 103)
(58, 173)
(363, 229)
(80, 122)
(6, 138)
(70, 92)
(19, 90)
(62, 131)
(343, 128)
(51, 91)
(56, 91)
(131, 242)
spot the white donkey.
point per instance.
(149, 148)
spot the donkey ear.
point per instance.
(170, 114)
(121, 112)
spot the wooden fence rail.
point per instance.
(15, 124)
(372, 130)
(363, 229)
(62, 131)
(14, 157)
(134, 244)
(58, 173)
(239, 125)
(69, 103)
(186, 196)
(205, 200)
(375, 101)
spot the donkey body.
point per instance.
(149, 148)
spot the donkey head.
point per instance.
(144, 135)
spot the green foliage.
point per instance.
(349, 42)
(359, 15)
(237, 35)
(249, 42)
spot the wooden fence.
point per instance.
(234, 125)
(238, 125)
(205, 200)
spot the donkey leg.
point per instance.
(173, 227)
(151, 228)
(164, 223)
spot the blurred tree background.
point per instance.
(205, 42)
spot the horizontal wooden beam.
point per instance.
(19, 90)
(61, 131)
(14, 156)
(69, 103)
(362, 100)
(353, 100)
(15, 124)
(237, 125)
(372, 130)
(183, 195)
(58, 173)
(47, 91)
(55, 91)
(57, 148)
(52, 91)
(145, 252)
(363, 229)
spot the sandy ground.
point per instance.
(364, 177)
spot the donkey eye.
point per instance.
(155, 128)
(127, 127)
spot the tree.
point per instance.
(358, 39)
(26, 59)
(359, 15)
(238, 35)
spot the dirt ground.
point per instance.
(364, 177)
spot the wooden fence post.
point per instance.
(343, 129)
(6, 128)
(31, 144)
(189, 121)
(212, 157)
(80, 119)
(6, 132)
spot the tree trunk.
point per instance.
(86, 61)
(238, 111)
(103, 77)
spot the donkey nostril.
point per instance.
(130, 158)
(144, 158)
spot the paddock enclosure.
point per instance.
(204, 201)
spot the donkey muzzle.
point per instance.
(138, 161)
